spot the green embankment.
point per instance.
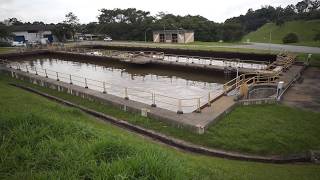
(41, 139)
(265, 129)
(314, 61)
(306, 30)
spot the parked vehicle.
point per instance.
(18, 44)
(107, 39)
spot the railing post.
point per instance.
(153, 100)
(198, 106)
(35, 69)
(104, 88)
(209, 99)
(70, 79)
(225, 88)
(179, 107)
(57, 76)
(45, 71)
(126, 93)
(85, 83)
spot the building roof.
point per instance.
(174, 31)
(17, 28)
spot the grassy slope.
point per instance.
(244, 130)
(44, 140)
(305, 30)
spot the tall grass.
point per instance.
(40, 139)
(265, 129)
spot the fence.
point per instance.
(210, 61)
(250, 79)
(129, 55)
(236, 63)
(180, 105)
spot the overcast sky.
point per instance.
(87, 10)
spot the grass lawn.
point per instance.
(306, 30)
(265, 129)
(198, 43)
(6, 50)
(41, 139)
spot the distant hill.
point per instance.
(306, 30)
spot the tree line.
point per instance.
(133, 24)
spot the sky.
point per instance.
(53, 11)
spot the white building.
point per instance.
(32, 33)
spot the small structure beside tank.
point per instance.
(173, 36)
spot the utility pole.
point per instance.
(164, 32)
(270, 36)
(145, 34)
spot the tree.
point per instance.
(72, 23)
(61, 31)
(280, 22)
(15, 21)
(38, 23)
(4, 32)
(314, 5)
(124, 24)
(302, 6)
(232, 32)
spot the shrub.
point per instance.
(280, 22)
(317, 37)
(290, 38)
(4, 44)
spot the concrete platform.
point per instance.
(305, 93)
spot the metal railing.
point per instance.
(209, 61)
(201, 60)
(250, 79)
(111, 53)
(180, 105)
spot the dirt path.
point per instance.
(305, 95)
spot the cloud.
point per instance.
(87, 11)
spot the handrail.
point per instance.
(257, 78)
(162, 56)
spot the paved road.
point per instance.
(280, 47)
